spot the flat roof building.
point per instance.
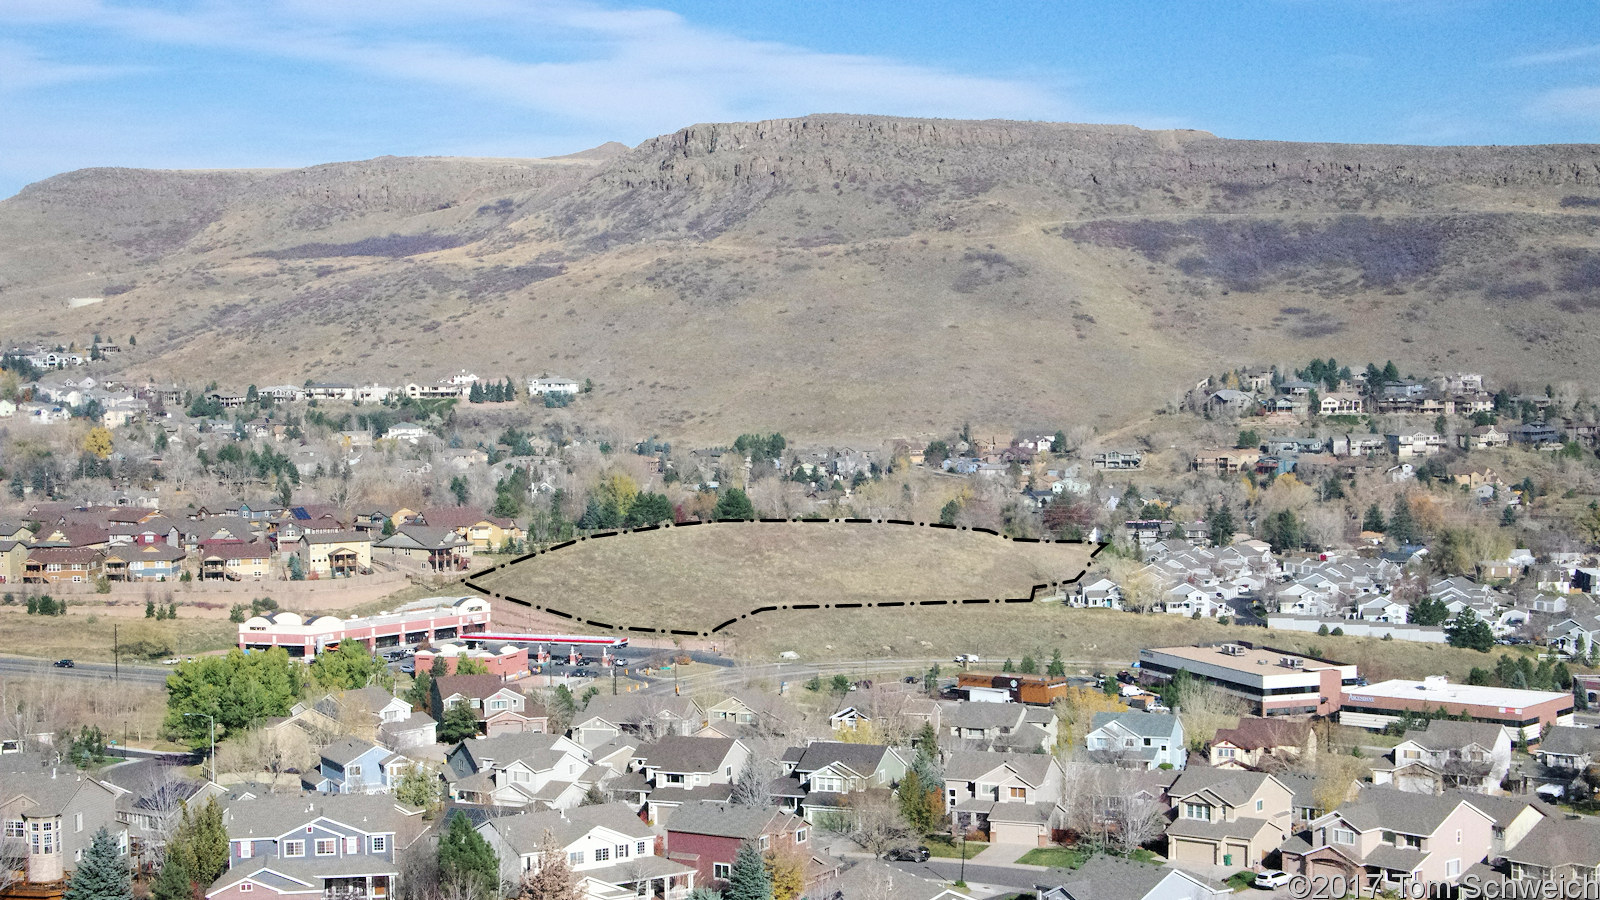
(1012, 687)
(419, 622)
(1523, 713)
(1273, 682)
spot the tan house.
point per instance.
(13, 561)
(55, 565)
(484, 532)
(1257, 741)
(1387, 837)
(338, 554)
(250, 561)
(1227, 817)
(144, 562)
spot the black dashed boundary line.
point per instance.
(1033, 594)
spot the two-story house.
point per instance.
(1558, 851)
(681, 770)
(485, 533)
(1113, 878)
(518, 770)
(1469, 756)
(1138, 739)
(706, 835)
(50, 814)
(335, 554)
(1256, 740)
(1227, 817)
(358, 766)
(611, 853)
(374, 713)
(1569, 749)
(1387, 837)
(1005, 726)
(1012, 797)
(501, 708)
(315, 847)
(821, 776)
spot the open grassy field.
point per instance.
(693, 579)
(83, 635)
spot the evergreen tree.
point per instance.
(173, 883)
(735, 504)
(1028, 666)
(101, 874)
(420, 692)
(466, 861)
(748, 789)
(1056, 667)
(1401, 526)
(1373, 520)
(948, 513)
(417, 788)
(201, 843)
(1219, 521)
(149, 609)
(475, 393)
(460, 723)
(1428, 611)
(749, 879)
(914, 803)
(1467, 630)
(1008, 666)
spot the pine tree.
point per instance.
(173, 883)
(102, 874)
(1056, 667)
(1028, 666)
(467, 863)
(1008, 665)
(1401, 526)
(149, 609)
(749, 879)
(1373, 520)
(748, 789)
(460, 723)
(475, 393)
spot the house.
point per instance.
(520, 770)
(53, 812)
(501, 708)
(1413, 446)
(538, 387)
(336, 554)
(1010, 796)
(611, 853)
(677, 768)
(1118, 459)
(13, 561)
(376, 713)
(484, 532)
(1102, 593)
(1386, 837)
(875, 879)
(707, 835)
(228, 561)
(1562, 851)
(146, 562)
(1138, 739)
(1227, 817)
(438, 549)
(317, 847)
(1257, 740)
(1114, 878)
(644, 716)
(1569, 748)
(357, 766)
(151, 797)
(1226, 462)
(1483, 437)
(55, 565)
(827, 772)
(1230, 401)
(1535, 433)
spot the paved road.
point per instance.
(999, 878)
(131, 674)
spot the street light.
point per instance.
(213, 720)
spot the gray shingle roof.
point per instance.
(1559, 842)
(1231, 786)
(722, 820)
(863, 759)
(525, 831)
(967, 765)
(348, 751)
(1570, 740)
(1396, 810)
(1446, 734)
(269, 817)
(676, 753)
(1144, 724)
(982, 715)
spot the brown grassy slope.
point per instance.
(698, 577)
(835, 277)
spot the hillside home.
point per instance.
(547, 771)
(1010, 796)
(146, 562)
(1388, 837)
(337, 554)
(611, 853)
(1102, 593)
(484, 532)
(436, 549)
(1227, 817)
(1137, 739)
(58, 565)
(235, 561)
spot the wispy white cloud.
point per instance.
(1568, 103)
(1556, 57)
(634, 69)
(23, 68)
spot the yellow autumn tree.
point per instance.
(620, 488)
(863, 732)
(97, 442)
(787, 869)
(1075, 711)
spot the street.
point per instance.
(132, 674)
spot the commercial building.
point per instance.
(1012, 687)
(1272, 682)
(1522, 713)
(419, 622)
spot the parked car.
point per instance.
(409, 666)
(910, 854)
(968, 658)
(1272, 878)
(911, 679)
(65, 664)
(171, 661)
(1126, 677)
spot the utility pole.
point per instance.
(116, 657)
(213, 720)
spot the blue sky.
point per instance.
(222, 83)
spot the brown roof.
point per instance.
(1263, 734)
(64, 555)
(459, 517)
(241, 550)
(479, 686)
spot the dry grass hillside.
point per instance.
(694, 578)
(833, 277)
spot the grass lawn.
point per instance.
(1242, 880)
(942, 846)
(701, 576)
(1145, 856)
(1055, 857)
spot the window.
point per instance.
(294, 848)
(1452, 868)
(245, 849)
(674, 779)
(14, 828)
(764, 842)
(1225, 752)
(1018, 793)
(1458, 835)
(77, 822)
(1129, 742)
(639, 849)
(380, 843)
(327, 846)
(1344, 836)
(575, 857)
(1260, 805)
(721, 871)
(1197, 811)
(601, 854)
(1147, 742)
(352, 845)
(622, 851)
(800, 836)
(246, 887)
(831, 784)
(353, 771)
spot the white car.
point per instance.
(967, 658)
(171, 661)
(1272, 878)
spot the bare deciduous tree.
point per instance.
(878, 825)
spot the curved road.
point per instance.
(131, 674)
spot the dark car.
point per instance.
(1126, 677)
(911, 679)
(581, 673)
(65, 664)
(910, 854)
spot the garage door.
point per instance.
(1241, 855)
(1195, 853)
(1014, 833)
